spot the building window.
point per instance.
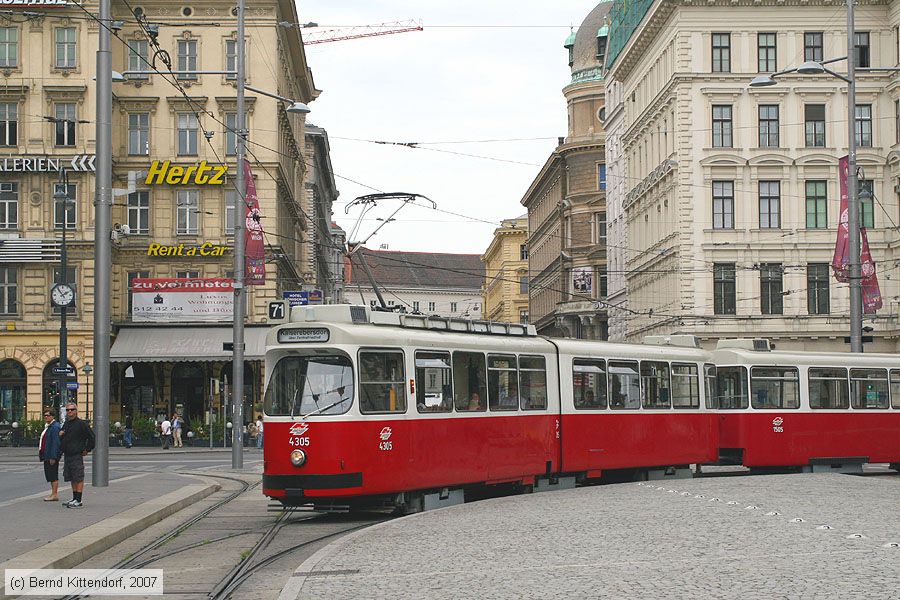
(188, 204)
(8, 291)
(721, 52)
(866, 203)
(864, 125)
(431, 307)
(523, 252)
(721, 126)
(187, 58)
(818, 301)
(723, 205)
(769, 204)
(65, 47)
(230, 204)
(132, 275)
(65, 124)
(452, 307)
(9, 205)
(816, 205)
(231, 57)
(139, 133)
(603, 278)
(415, 306)
(766, 49)
(230, 134)
(9, 47)
(897, 121)
(861, 48)
(814, 117)
(65, 209)
(523, 316)
(601, 177)
(768, 125)
(187, 134)
(770, 284)
(724, 292)
(187, 274)
(600, 224)
(137, 59)
(139, 213)
(523, 284)
(9, 124)
(812, 46)
(71, 280)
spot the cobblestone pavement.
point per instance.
(775, 536)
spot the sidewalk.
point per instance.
(121, 451)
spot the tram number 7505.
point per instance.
(296, 440)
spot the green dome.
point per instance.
(603, 31)
(570, 41)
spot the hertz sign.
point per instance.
(203, 174)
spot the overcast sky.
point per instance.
(457, 81)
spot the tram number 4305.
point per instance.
(298, 441)
(385, 445)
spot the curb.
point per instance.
(74, 549)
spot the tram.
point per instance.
(366, 407)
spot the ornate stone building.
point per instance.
(505, 295)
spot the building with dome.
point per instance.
(566, 202)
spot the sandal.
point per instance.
(51, 499)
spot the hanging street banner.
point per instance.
(840, 262)
(871, 293)
(173, 300)
(254, 249)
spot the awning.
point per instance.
(183, 344)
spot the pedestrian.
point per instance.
(77, 440)
(177, 424)
(259, 432)
(49, 452)
(165, 432)
(129, 431)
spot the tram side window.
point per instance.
(731, 386)
(469, 377)
(868, 388)
(624, 385)
(685, 386)
(712, 396)
(775, 387)
(655, 384)
(828, 388)
(382, 381)
(533, 376)
(895, 388)
(589, 383)
(434, 382)
(503, 382)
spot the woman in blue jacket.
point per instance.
(49, 451)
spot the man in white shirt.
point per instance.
(165, 430)
(259, 431)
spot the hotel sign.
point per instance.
(46, 164)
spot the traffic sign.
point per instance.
(63, 370)
(71, 385)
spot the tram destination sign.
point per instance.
(313, 334)
(47, 164)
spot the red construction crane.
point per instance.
(359, 31)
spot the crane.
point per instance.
(351, 33)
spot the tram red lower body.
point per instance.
(606, 440)
(361, 458)
(800, 437)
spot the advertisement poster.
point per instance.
(583, 281)
(255, 251)
(181, 300)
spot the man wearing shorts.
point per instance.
(77, 440)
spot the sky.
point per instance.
(480, 70)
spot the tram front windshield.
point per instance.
(318, 384)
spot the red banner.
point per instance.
(871, 293)
(255, 249)
(840, 263)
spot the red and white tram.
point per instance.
(364, 406)
(813, 410)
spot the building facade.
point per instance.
(166, 226)
(429, 283)
(566, 202)
(321, 192)
(505, 295)
(725, 199)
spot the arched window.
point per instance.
(13, 379)
(51, 380)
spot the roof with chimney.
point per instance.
(427, 270)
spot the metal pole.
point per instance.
(63, 267)
(237, 377)
(853, 246)
(102, 251)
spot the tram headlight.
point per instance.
(298, 458)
